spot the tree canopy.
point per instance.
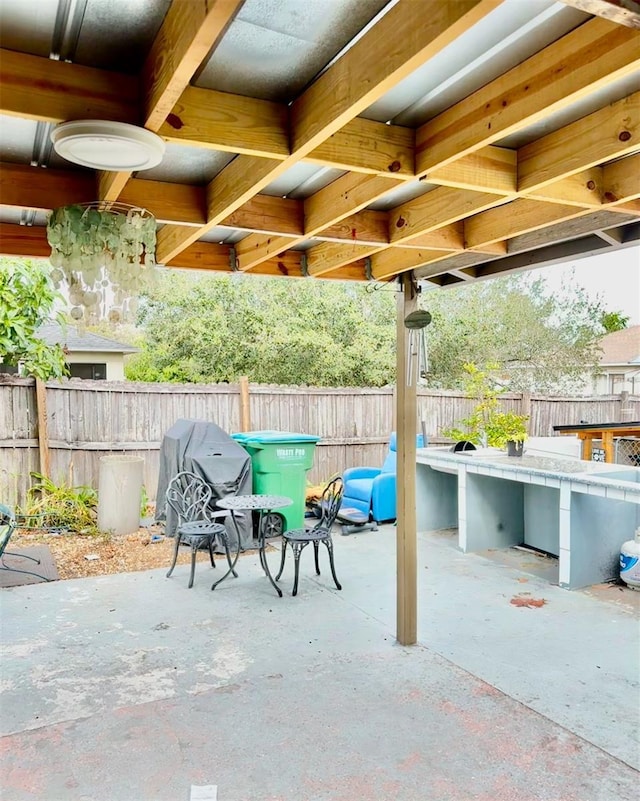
(216, 328)
(28, 299)
(200, 328)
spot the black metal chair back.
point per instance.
(330, 504)
(189, 496)
(7, 527)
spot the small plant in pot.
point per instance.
(510, 429)
(486, 426)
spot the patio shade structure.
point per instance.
(437, 141)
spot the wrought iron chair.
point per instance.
(299, 538)
(189, 496)
(7, 527)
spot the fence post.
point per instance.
(43, 434)
(525, 404)
(626, 410)
(245, 408)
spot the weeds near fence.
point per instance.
(59, 506)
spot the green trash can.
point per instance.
(280, 461)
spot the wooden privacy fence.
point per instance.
(80, 421)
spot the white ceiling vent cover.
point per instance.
(104, 145)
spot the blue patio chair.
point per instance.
(371, 491)
(7, 527)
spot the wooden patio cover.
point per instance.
(573, 189)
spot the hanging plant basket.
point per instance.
(101, 249)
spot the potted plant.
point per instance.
(508, 428)
(486, 426)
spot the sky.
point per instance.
(613, 277)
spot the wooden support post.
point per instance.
(406, 531)
(245, 408)
(525, 404)
(43, 434)
(607, 446)
(587, 446)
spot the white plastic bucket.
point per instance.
(119, 493)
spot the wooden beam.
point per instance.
(437, 208)
(54, 91)
(606, 134)
(490, 169)
(209, 256)
(271, 215)
(624, 12)
(368, 146)
(189, 30)
(583, 189)
(246, 125)
(256, 248)
(23, 240)
(245, 177)
(518, 217)
(393, 261)
(406, 530)
(588, 58)
(328, 256)
(346, 89)
(169, 203)
(22, 186)
(621, 180)
(340, 199)
(407, 37)
(221, 121)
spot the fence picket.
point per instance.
(88, 419)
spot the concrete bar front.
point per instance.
(576, 510)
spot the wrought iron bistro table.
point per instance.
(264, 504)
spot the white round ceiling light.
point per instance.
(104, 145)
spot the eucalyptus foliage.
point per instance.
(28, 299)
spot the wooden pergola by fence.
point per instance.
(443, 141)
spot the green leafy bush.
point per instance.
(51, 505)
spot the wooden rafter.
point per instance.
(624, 12)
(474, 132)
(584, 60)
(189, 30)
(355, 81)
(485, 196)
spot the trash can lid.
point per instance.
(265, 437)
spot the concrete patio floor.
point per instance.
(134, 688)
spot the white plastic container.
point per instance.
(119, 493)
(630, 561)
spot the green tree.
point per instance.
(613, 321)
(216, 328)
(28, 299)
(543, 342)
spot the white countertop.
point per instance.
(495, 462)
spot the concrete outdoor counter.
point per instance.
(577, 510)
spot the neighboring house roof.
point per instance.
(621, 347)
(81, 342)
